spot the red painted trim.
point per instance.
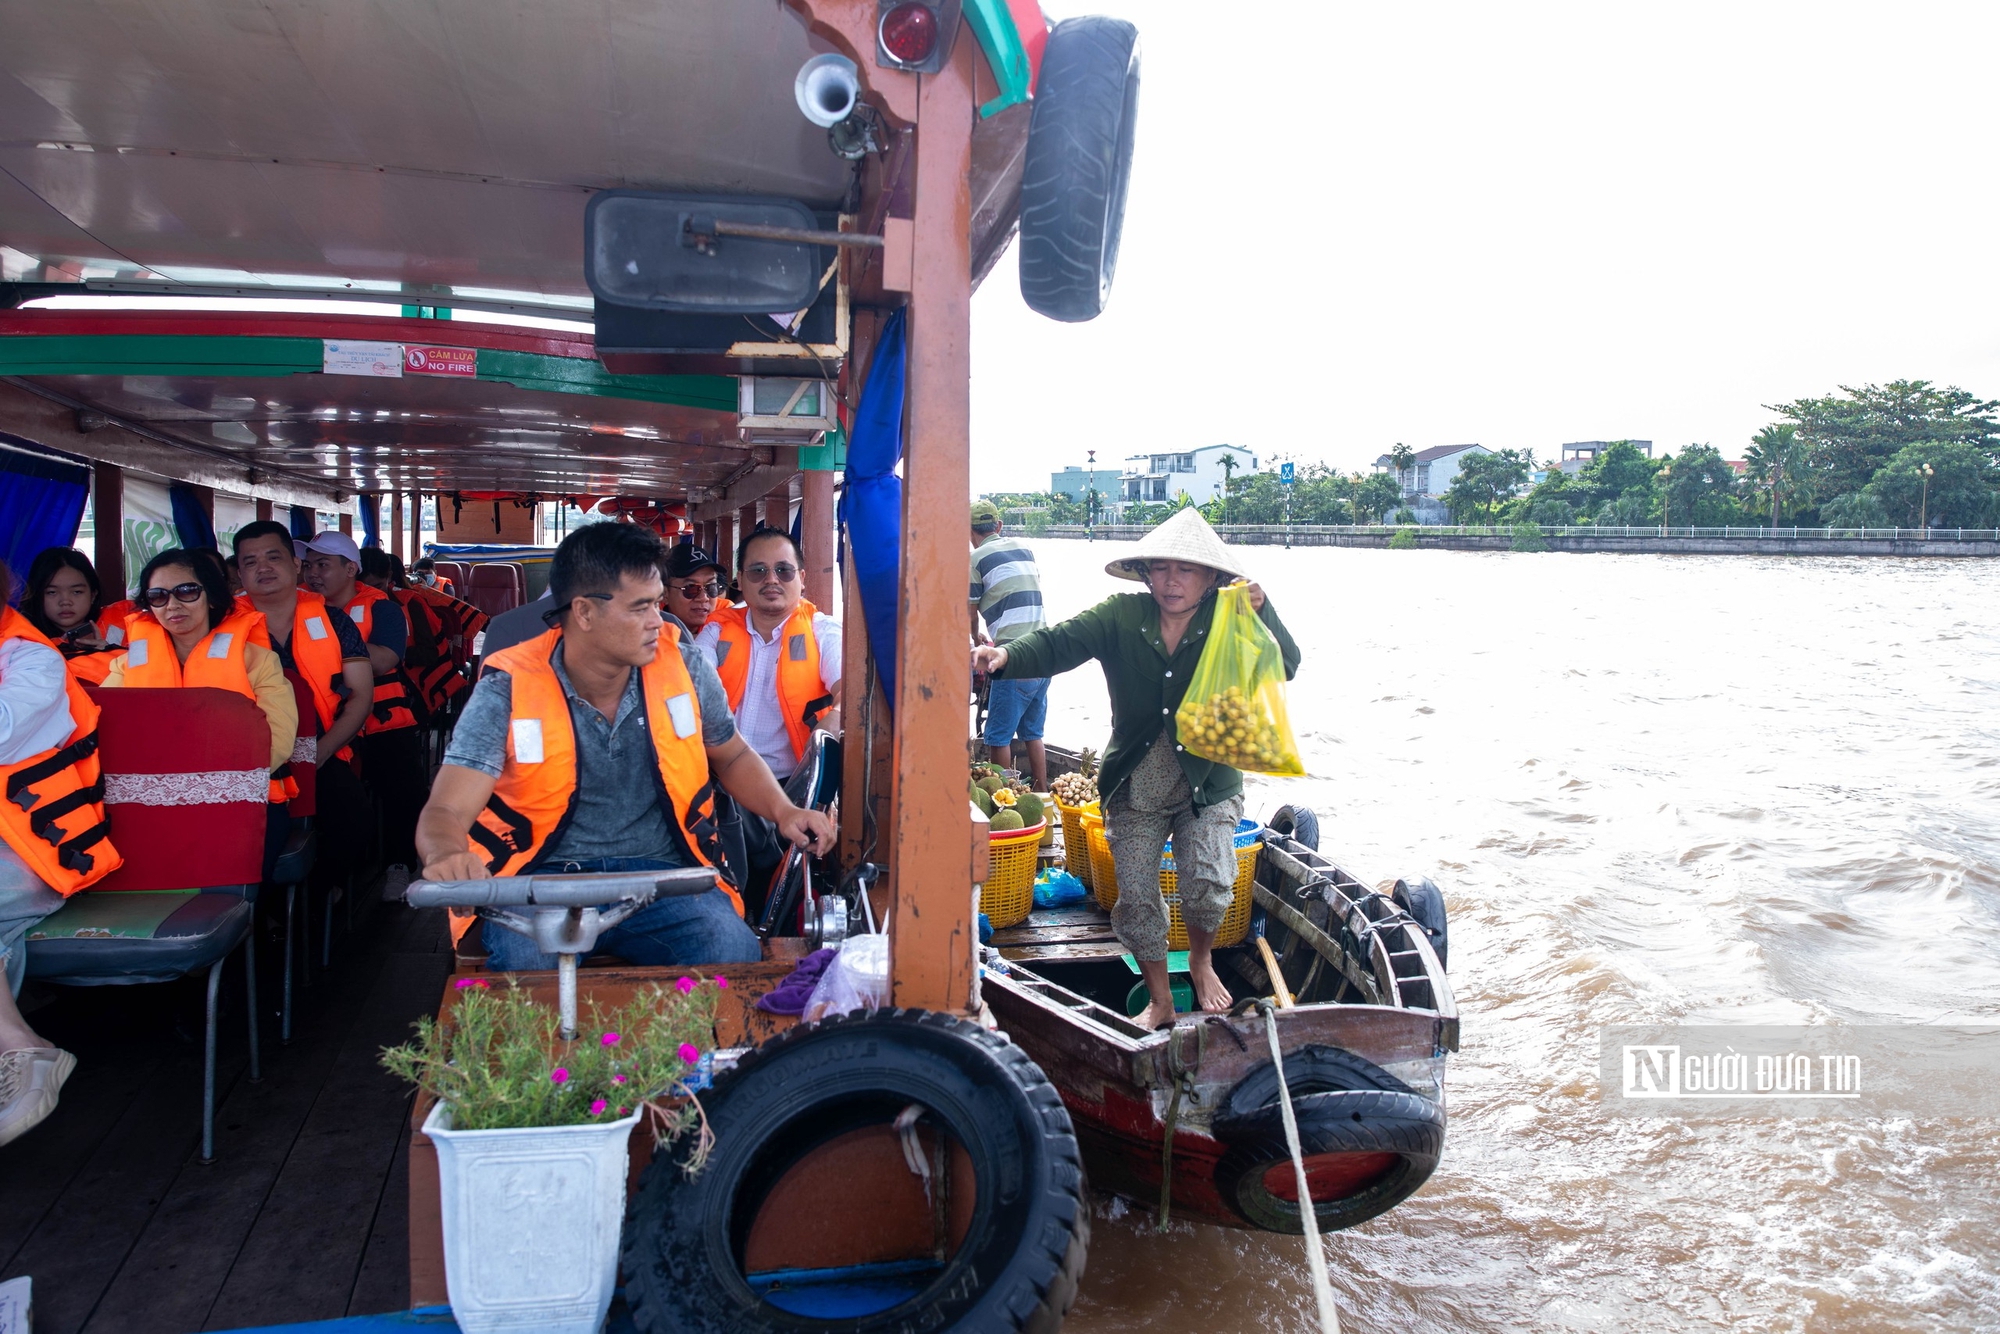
(237, 324)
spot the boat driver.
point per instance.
(564, 729)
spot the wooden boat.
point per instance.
(1185, 1121)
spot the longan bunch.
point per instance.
(1231, 729)
(1074, 790)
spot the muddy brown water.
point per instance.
(1654, 789)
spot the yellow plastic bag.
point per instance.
(1234, 710)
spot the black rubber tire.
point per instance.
(1023, 1256)
(1407, 1125)
(1298, 823)
(1078, 166)
(1309, 1069)
(1420, 897)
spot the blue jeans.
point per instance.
(677, 932)
(1016, 709)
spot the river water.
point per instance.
(1688, 789)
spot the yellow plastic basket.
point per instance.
(1076, 847)
(1008, 895)
(1235, 922)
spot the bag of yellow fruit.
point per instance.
(1234, 709)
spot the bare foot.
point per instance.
(1156, 1015)
(1208, 988)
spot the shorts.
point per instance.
(1016, 709)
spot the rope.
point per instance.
(1329, 1319)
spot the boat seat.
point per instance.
(186, 777)
(493, 588)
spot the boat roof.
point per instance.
(421, 148)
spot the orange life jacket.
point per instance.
(315, 650)
(52, 811)
(90, 667)
(535, 795)
(111, 621)
(396, 703)
(801, 693)
(431, 661)
(218, 660)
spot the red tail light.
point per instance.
(909, 33)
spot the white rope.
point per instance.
(1329, 1319)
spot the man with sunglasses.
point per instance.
(694, 582)
(777, 654)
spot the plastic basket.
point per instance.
(1008, 895)
(1235, 922)
(1076, 847)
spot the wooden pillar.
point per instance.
(817, 538)
(206, 496)
(263, 511)
(396, 523)
(107, 513)
(746, 524)
(931, 938)
(778, 507)
(347, 523)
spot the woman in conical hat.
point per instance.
(1151, 786)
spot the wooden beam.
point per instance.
(777, 506)
(771, 466)
(395, 519)
(107, 513)
(263, 510)
(816, 537)
(931, 933)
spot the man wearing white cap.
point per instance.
(1148, 644)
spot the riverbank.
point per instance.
(1962, 542)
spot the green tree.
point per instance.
(1405, 461)
(1700, 490)
(1857, 509)
(1779, 463)
(1322, 495)
(1851, 435)
(1618, 468)
(1958, 493)
(1375, 495)
(1484, 480)
(1259, 498)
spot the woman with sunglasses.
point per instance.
(65, 601)
(191, 633)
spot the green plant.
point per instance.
(1404, 539)
(1406, 515)
(498, 1061)
(1528, 537)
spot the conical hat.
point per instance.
(1186, 537)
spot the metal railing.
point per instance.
(1128, 532)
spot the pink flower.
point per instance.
(558, 1075)
(465, 982)
(689, 1053)
(610, 1039)
(617, 1079)
(622, 1112)
(722, 982)
(597, 1108)
(685, 985)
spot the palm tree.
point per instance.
(1404, 459)
(1776, 460)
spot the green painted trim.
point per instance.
(210, 357)
(573, 375)
(993, 25)
(830, 456)
(148, 354)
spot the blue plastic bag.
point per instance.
(1058, 889)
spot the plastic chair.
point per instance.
(494, 588)
(295, 863)
(186, 776)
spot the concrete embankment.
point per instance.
(1936, 544)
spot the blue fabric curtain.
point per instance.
(371, 521)
(191, 521)
(303, 521)
(42, 494)
(872, 501)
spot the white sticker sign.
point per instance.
(680, 708)
(346, 357)
(527, 740)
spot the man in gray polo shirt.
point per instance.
(606, 580)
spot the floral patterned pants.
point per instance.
(1154, 803)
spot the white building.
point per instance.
(1199, 472)
(1431, 473)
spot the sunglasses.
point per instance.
(157, 597)
(708, 590)
(785, 573)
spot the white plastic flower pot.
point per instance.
(531, 1221)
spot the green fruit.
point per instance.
(1030, 807)
(1005, 820)
(985, 802)
(993, 783)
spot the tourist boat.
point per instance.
(467, 172)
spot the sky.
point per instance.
(1353, 225)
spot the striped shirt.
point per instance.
(1006, 587)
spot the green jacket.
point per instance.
(1123, 634)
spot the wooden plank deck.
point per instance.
(304, 1214)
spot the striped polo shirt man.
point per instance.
(1006, 585)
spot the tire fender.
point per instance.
(1298, 823)
(1419, 896)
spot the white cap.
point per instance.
(333, 542)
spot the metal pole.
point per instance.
(566, 994)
